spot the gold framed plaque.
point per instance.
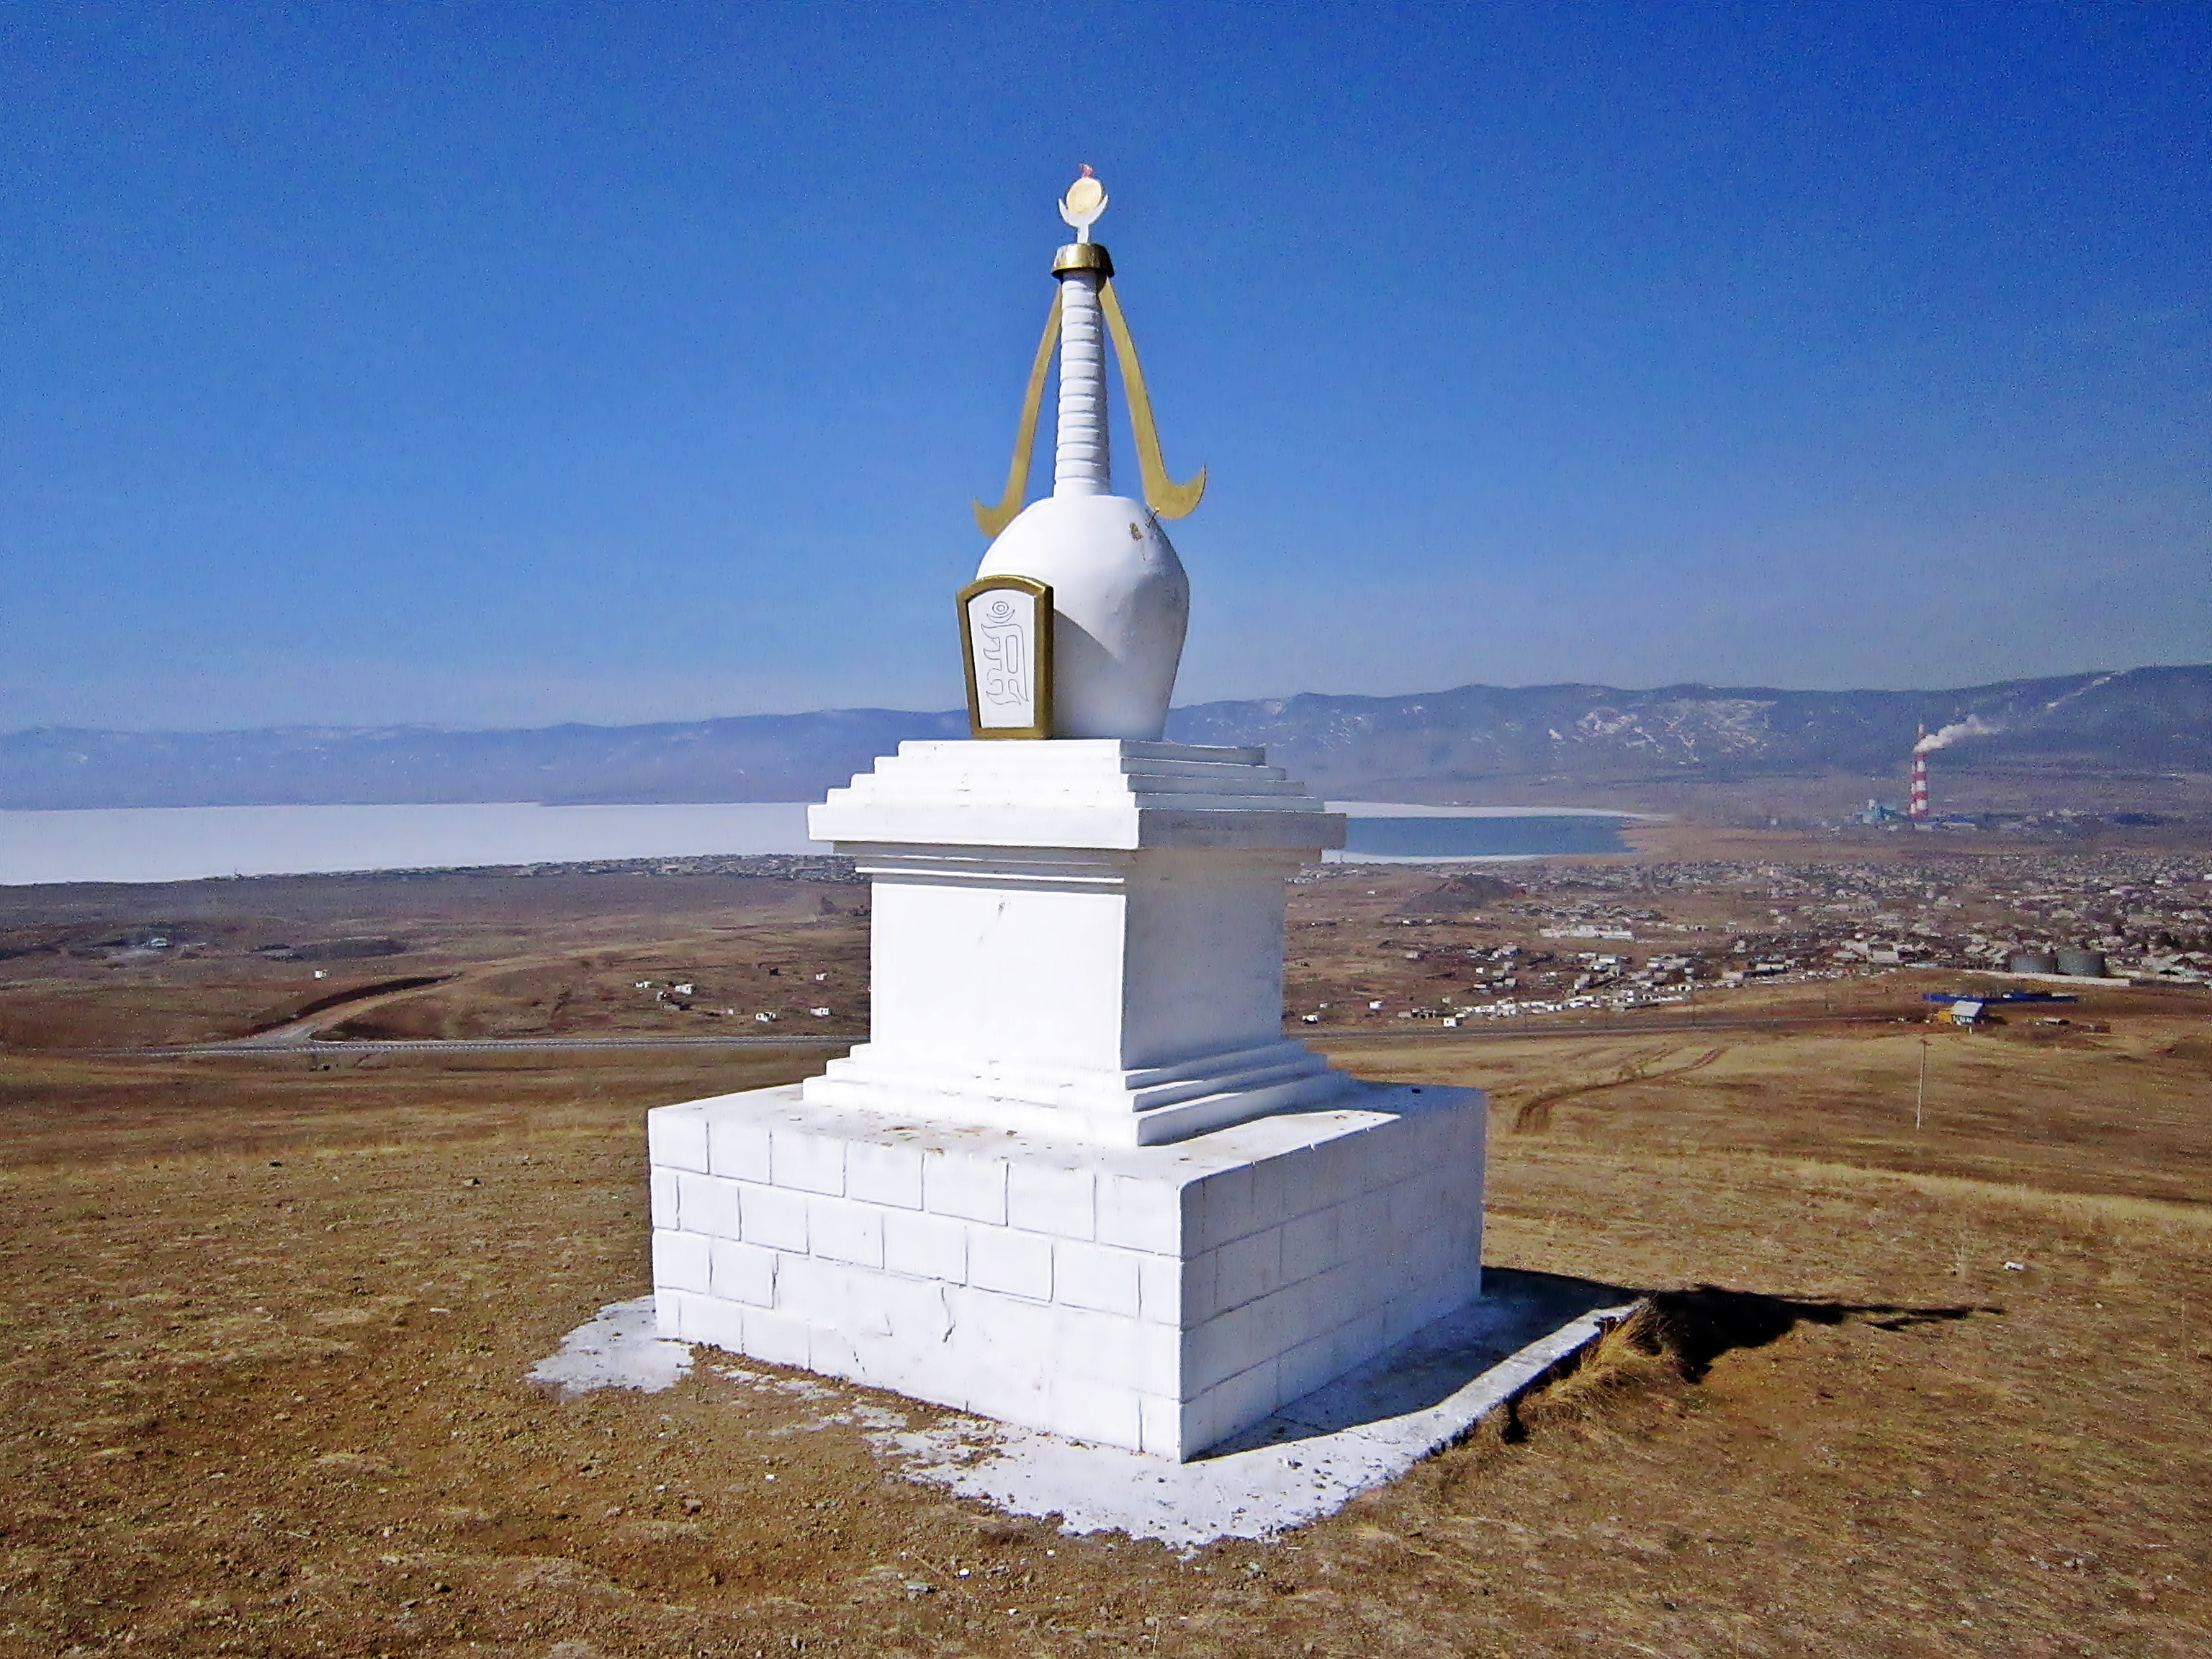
(1005, 642)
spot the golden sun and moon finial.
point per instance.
(1084, 201)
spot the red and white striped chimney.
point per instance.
(1917, 805)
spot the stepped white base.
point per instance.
(1137, 1107)
(1156, 1298)
(1083, 939)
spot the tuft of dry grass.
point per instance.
(1640, 1355)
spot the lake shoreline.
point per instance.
(154, 845)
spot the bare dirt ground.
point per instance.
(1907, 1391)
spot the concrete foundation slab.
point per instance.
(1301, 1462)
(619, 1347)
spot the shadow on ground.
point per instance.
(1697, 1327)
(1504, 1338)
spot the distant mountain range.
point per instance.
(2157, 720)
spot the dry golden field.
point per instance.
(1905, 1391)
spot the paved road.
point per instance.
(1504, 1030)
(261, 1047)
(1541, 1026)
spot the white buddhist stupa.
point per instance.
(1078, 1178)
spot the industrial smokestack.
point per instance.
(1915, 806)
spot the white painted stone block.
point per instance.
(920, 1369)
(1365, 1216)
(742, 1272)
(844, 1231)
(811, 1163)
(910, 1312)
(1310, 1244)
(1249, 1268)
(1201, 1300)
(1139, 1214)
(1225, 1345)
(1161, 1425)
(927, 1246)
(773, 1218)
(1126, 1352)
(1018, 1330)
(1094, 1276)
(1043, 1199)
(1013, 1343)
(662, 1193)
(738, 1150)
(1219, 1207)
(890, 1176)
(706, 1205)
(1282, 1188)
(711, 1320)
(1017, 1264)
(669, 1307)
(679, 1261)
(1246, 1397)
(1364, 1334)
(1160, 1279)
(676, 1138)
(1331, 1297)
(1096, 1412)
(777, 1337)
(970, 1186)
(832, 1351)
(1312, 1363)
(814, 1288)
(1417, 1207)
(1198, 1426)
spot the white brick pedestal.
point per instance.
(1077, 1179)
(1155, 1298)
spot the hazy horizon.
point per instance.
(1179, 702)
(488, 368)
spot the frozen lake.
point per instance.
(185, 843)
(1378, 831)
(188, 843)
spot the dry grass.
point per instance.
(1646, 1354)
(267, 1327)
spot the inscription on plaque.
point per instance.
(1005, 634)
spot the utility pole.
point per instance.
(1920, 1096)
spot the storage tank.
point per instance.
(2082, 964)
(2032, 961)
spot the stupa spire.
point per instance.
(1082, 464)
(1085, 311)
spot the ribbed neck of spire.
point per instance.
(1081, 465)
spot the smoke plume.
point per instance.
(1972, 726)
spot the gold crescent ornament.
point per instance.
(993, 519)
(1167, 498)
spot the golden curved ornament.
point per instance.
(1167, 499)
(993, 519)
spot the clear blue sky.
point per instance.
(489, 364)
